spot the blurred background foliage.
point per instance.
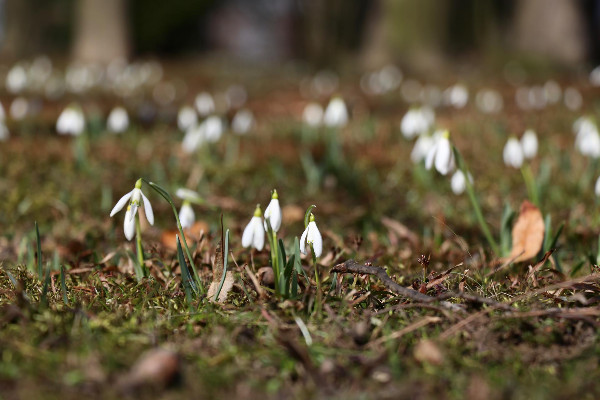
(324, 33)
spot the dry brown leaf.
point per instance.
(426, 351)
(217, 275)
(527, 233)
(192, 234)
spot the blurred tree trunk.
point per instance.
(17, 34)
(101, 30)
(553, 28)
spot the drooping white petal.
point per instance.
(458, 182)
(148, 209)
(273, 214)
(303, 241)
(336, 113)
(134, 208)
(444, 157)
(194, 137)
(314, 237)
(213, 128)
(529, 142)
(188, 194)
(186, 118)
(129, 224)
(254, 235)
(186, 216)
(421, 148)
(513, 153)
(121, 203)
(431, 155)
(313, 114)
(118, 120)
(242, 122)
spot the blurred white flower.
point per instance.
(529, 142)
(458, 182)
(513, 153)
(336, 113)
(573, 99)
(254, 233)
(71, 121)
(489, 101)
(456, 96)
(19, 108)
(118, 120)
(417, 121)
(441, 154)
(193, 139)
(587, 142)
(313, 114)
(135, 197)
(597, 187)
(595, 76)
(242, 122)
(16, 79)
(205, 104)
(421, 148)
(213, 127)
(273, 213)
(311, 235)
(186, 213)
(186, 118)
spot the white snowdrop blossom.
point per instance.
(440, 154)
(311, 236)
(336, 113)
(254, 233)
(456, 96)
(193, 139)
(421, 148)
(19, 108)
(186, 215)
(135, 198)
(71, 121)
(458, 183)
(16, 79)
(213, 128)
(186, 118)
(587, 142)
(417, 121)
(513, 153)
(529, 142)
(242, 122)
(205, 104)
(313, 114)
(597, 187)
(118, 120)
(273, 213)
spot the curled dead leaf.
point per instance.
(527, 233)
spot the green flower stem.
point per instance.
(272, 235)
(475, 203)
(168, 198)
(532, 189)
(317, 280)
(140, 251)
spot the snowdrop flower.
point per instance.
(19, 108)
(134, 198)
(71, 121)
(204, 104)
(242, 122)
(513, 153)
(458, 182)
(583, 123)
(194, 137)
(573, 99)
(254, 234)
(529, 143)
(213, 129)
(311, 235)
(336, 113)
(118, 120)
(186, 118)
(441, 154)
(187, 217)
(273, 213)
(587, 143)
(597, 187)
(313, 114)
(16, 79)
(421, 148)
(417, 121)
(457, 96)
